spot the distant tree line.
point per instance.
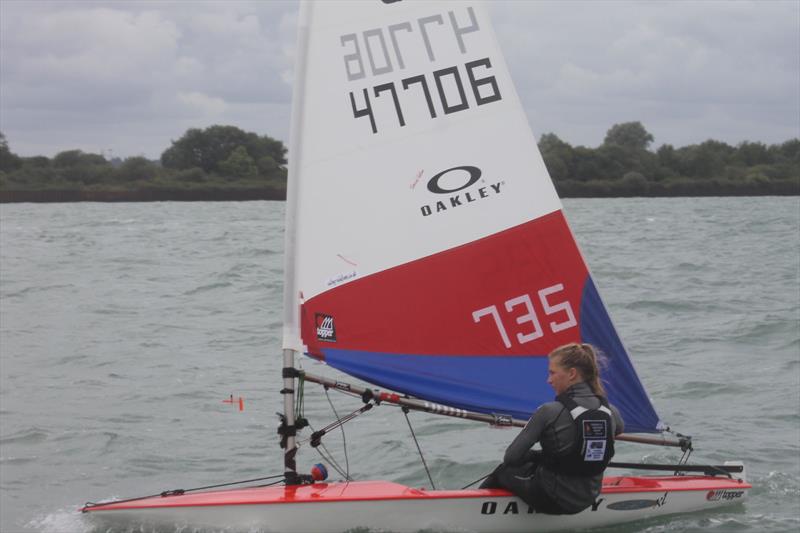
(624, 165)
(205, 162)
(226, 162)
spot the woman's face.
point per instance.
(560, 378)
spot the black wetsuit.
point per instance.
(526, 473)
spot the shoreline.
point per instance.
(142, 195)
(239, 195)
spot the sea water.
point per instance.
(124, 327)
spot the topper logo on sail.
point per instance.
(326, 330)
(452, 182)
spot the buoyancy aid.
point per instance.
(593, 446)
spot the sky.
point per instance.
(126, 78)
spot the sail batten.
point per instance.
(427, 240)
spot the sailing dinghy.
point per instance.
(427, 254)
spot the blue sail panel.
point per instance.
(622, 384)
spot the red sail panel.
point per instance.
(517, 292)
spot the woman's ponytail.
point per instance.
(585, 359)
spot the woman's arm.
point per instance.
(517, 451)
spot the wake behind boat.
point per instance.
(427, 254)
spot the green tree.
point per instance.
(137, 169)
(75, 158)
(191, 175)
(633, 183)
(785, 159)
(80, 167)
(559, 157)
(667, 161)
(708, 159)
(209, 148)
(239, 164)
(592, 165)
(616, 160)
(750, 154)
(37, 161)
(267, 166)
(790, 150)
(629, 134)
(8, 160)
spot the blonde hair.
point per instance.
(583, 358)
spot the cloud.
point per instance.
(137, 74)
(202, 103)
(85, 51)
(69, 66)
(582, 66)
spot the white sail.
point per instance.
(388, 96)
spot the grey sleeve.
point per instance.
(618, 421)
(517, 451)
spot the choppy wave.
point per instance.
(146, 316)
(26, 436)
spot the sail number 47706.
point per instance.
(527, 317)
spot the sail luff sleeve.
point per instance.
(291, 291)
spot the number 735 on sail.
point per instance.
(529, 315)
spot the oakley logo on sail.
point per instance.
(452, 182)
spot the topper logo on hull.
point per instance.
(452, 182)
(326, 330)
(723, 495)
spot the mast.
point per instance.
(291, 293)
